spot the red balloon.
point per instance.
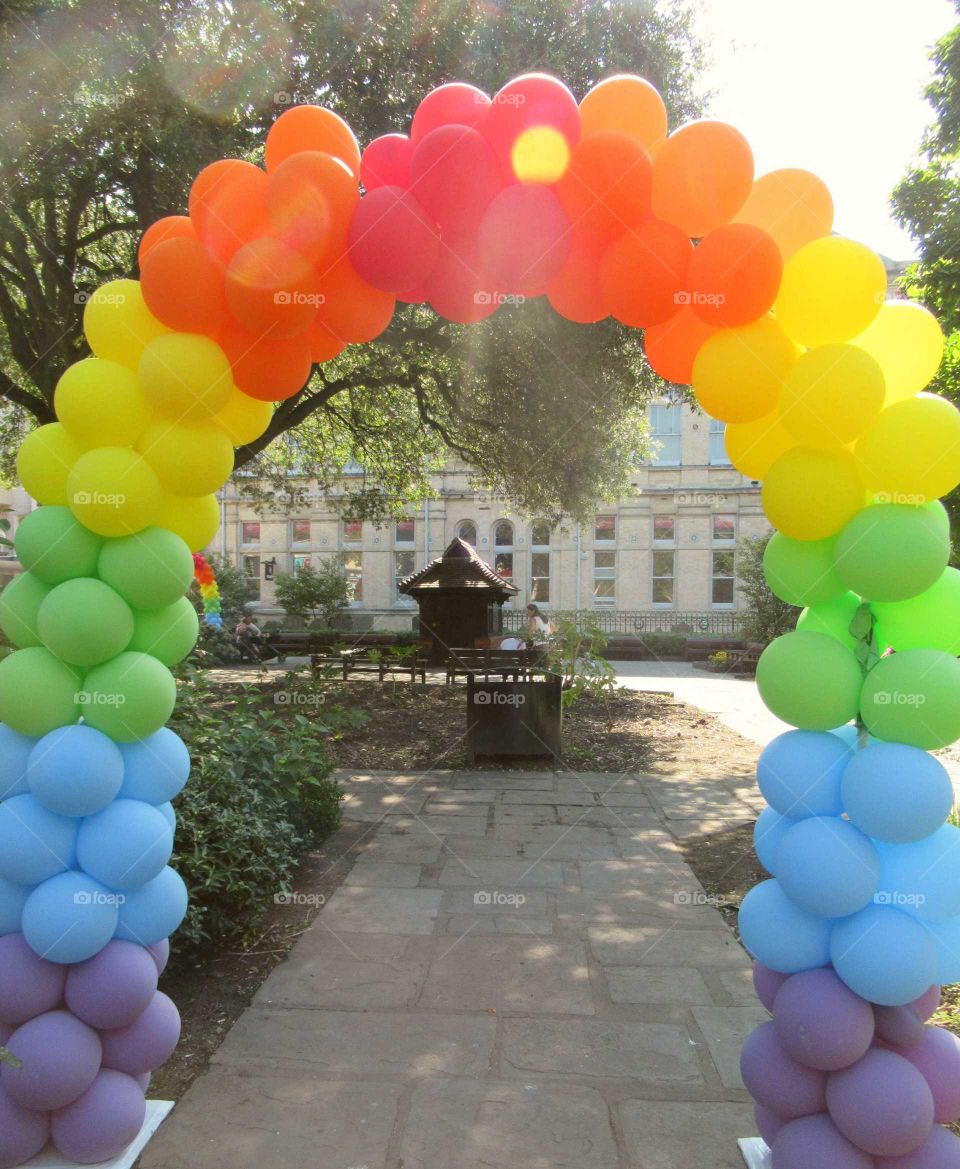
(672, 347)
(524, 240)
(386, 162)
(170, 227)
(643, 273)
(735, 275)
(272, 290)
(183, 287)
(455, 175)
(575, 291)
(266, 369)
(454, 102)
(535, 99)
(455, 286)
(228, 206)
(394, 244)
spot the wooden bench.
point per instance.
(516, 664)
(358, 661)
(746, 662)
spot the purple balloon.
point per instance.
(144, 1081)
(766, 983)
(899, 1026)
(937, 1059)
(22, 1133)
(774, 1079)
(113, 987)
(821, 1022)
(145, 1043)
(29, 985)
(59, 1058)
(882, 1104)
(104, 1120)
(941, 1151)
(161, 954)
(768, 1122)
(813, 1142)
(928, 1002)
(6, 1030)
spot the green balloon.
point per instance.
(84, 622)
(893, 551)
(801, 572)
(930, 620)
(167, 634)
(150, 570)
(914, 697)
(38, 693)
(20, 602)
(832, 618)
(810, 681)
(55, 546)
(128, 698)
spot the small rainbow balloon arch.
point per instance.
(209, 591)
(785, 333)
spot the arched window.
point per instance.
(503, 534)
(468, 532)
(540, 562)
(503, 549)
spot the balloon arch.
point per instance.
(783, 330)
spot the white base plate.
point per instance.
(755, 1153)
(157, 1112)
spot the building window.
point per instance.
(605, 529)
(353, 571)
(724, 529)
(721, 596)
(664, 529)
(665, 431)
(250, 534)
(301, 531)
(404, 565)
(405, 531)
(604, 578)
(467, 532)
(352, 467)
(251, 577)
(503, 549)
(718, 446)
(300, 562)
(540, 562)
(663, 575)
(353, 531)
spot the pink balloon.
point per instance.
(454, 102)
(386, 162)
(524, 240)
(776, 1080)
(147, 1042)
(455, 176)
(882, 1104)
(455, 286)
(59, 1057)
(937, 1058)
(813, 1142)
(29, 985)
(394, 244)
(766, 983)
(23, 1133)
(941, 1151)
(534, 99)
(105, 1119)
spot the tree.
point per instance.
(112, 108)
(312, 592)
(765, 616)
(927, 203)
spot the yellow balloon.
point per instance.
(189, 458)
(911, 454)
(101, 404)
(907, 341)
(117, 323)
(195, 519)
(244, 418)
(754, 447)
(794, 207)
(811, 494)
(831, 395)
(738, 373)
(44, 461)
(113, 491)
(831, 290)
(185, 375)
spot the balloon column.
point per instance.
(209, 591)
(782, 329)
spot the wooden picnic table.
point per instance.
(517, 664)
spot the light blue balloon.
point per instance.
(923, 878)
(896, 793)
(780, 934)
(828, 867)
(126, 845)
(848, 734)
(167, 812)
(75, 770)
(70, 918)
(153, 912)
(946, 937)
(768, 831)
(34, 844)
(883, 955)
(799, 773)
(155, 768)
(14, 752)
(12, 900)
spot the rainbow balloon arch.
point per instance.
(782, 329)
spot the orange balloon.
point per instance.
(607, 184)
(272, 290)
(792, 206)
(170, 227)
(702, 176)
(627, 104)
(266, 369)
(575, 291)
(311, 128)
(183, 287)
(311, 198)
(228, 206)
(735, 275)
(324, 346)
(671, 348)
(643, 274)
(352, 310)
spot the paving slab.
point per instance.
(669, 946)
(657, 984)
(725, 1029)
(502, 875)
(382, 873)
(401, 848)
(355, 909)
(437, 826)
(490, 903)
(528, 925)
(665, 1134)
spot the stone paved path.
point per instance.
(519, 972)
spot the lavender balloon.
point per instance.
(768, 1122)
(937, 1059)
(766, 983)
(941, 1151)
(900, 1026)
(29, 985)
(22, 1133)
(102, 1122)
(814, 1142)
(821, 1022)
(111, 989)
(59, 1057)
(147, 1042)
(882, 1104)
(774, 1079)
(160, 951)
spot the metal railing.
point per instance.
(636, 622)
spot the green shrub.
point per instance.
(665, 645)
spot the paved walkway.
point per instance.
(519, 972)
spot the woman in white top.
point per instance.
(538, 628)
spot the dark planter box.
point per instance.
(514, 718)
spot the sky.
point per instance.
(834, 86)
